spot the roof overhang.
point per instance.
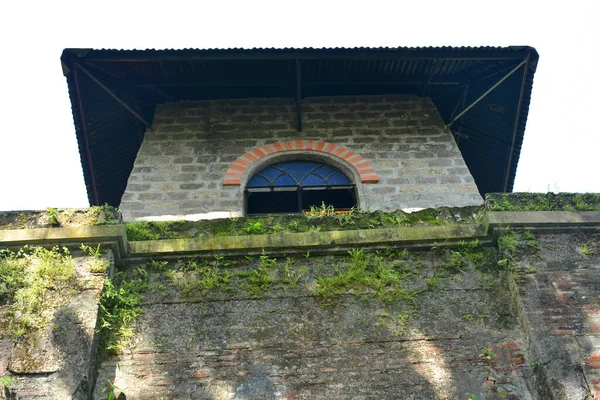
(114, 94)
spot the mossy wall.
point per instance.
(504, 306)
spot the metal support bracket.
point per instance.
(112, 94)
(512, 71)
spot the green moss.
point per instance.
(199, 276)
(35, 282)
(140, 231)
(470, 256)
(368, 272)
(104, 215)
(258, 281)
(543, 201)
(321, 220)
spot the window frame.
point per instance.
(298, 188)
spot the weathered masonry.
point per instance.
(199, 134)
(440, 304)
(395, 149)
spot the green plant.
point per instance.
(45, 282)
(53, 216)
(120, 307)
(96, 265)
(487, 354)
(432, 282)
(6, 381)
(253, 227)
(158, 265)
(508, 243)
(91, 251)
(321, 211)
(200, 277)
(346, 218)
(292, 276)
(137, 231)
(528, 235)
(370, 273)
(586, 250)
(104, 214)
(110, 389)
(265, 262)
(294, 225)
(473, 396)
(256, 281)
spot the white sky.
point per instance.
(39, 159)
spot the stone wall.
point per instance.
(282, 340)
(53, 357)
(558, 304)
(182, 164)
(507, 308)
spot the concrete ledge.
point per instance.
(315, 242)
(299, 243)
(542, 219)
(110, 235)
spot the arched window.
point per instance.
(294, 186)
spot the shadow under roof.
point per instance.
(114, 94)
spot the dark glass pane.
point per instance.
(340, 199)
(272, 202)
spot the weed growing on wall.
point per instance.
(318, 219)
(200, 276)
(258, 281)
(368, 272)
(53, 216)
(119, 308)
(35, 282)
(140, 231)
(96, 265)
(510, 243)
(543, 202)
(104, 215)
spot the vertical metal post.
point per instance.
(516, 125)
(86, 143)
(298, 96)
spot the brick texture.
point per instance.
(364, 168)
(194, 157)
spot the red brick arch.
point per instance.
(238, 167)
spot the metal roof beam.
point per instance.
(486, 93)
(518, 53)
(287, 83)
(114, 96)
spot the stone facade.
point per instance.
(181, 168)
(499, 307)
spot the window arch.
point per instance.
(295, 186)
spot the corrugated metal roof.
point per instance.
(109, 134)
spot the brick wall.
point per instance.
(288, 343)
(559, 307)
(182, 164)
